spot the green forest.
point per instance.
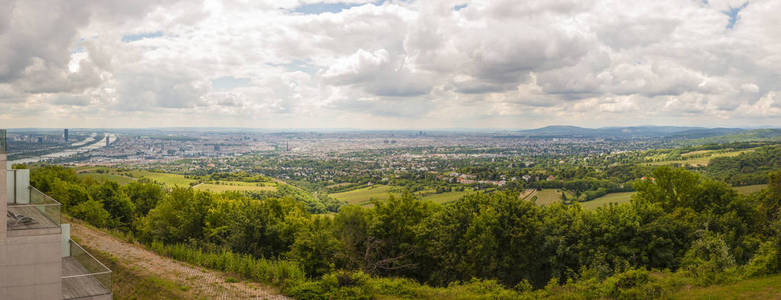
(680, 229)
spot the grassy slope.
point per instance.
(380, 192)
(445, 197)
(111, 177)
(127, 283)
(756, 288)
(609, 198)
(362, 195)
(745, 190)
(176, 180)
(235, 186)
(164, 178)
(707, 155)
(549, 196)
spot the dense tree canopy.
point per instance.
(678, 220)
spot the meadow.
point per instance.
(756, 288)
(546, 196)
(363, 196)
(120, 179)
(609, 198)
(748, 189)
(164, 178)
(172, 180)
(699, 158)
(229, 186)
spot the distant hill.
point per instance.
(627, 132)
(744, 136)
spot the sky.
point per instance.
(389, 64)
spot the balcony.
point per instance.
(83, 276)
(40, 214)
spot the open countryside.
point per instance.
(363, 196)
(391, 149)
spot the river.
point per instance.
(112, 138)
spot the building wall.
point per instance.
(3, 200)
(31, 267)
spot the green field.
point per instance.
(609, 198)
(445, 197)
(107, 176)
(704, 157)
(549, 196)
(745, 190)
(164, 178)
(363, 196)
(757, 288)
(100, 173)
(235, 186)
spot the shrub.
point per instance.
(764, 262)
(91, 211)
(709, 261)
(277, 272)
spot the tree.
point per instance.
(351, 228)
(392, 244)
(315, 247)
(144, 196)
(115, 202)
(93, 212)
(178, 217)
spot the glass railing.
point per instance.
(83, 275)
(41, 212)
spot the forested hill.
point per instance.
(680, 229)
(746, 168)
(647, 131)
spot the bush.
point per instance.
(277, 272)
(765, 262)
(631, 284)
(709, 261)
(91, 211)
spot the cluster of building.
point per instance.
(470, 179)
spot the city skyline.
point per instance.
(383, 65)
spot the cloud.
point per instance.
(361, 63)
(73, 100)
(159, 86)
(378, 73)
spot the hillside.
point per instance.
(701, 134)
(172, 278)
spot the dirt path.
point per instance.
(201, 283)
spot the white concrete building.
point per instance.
(38, 260)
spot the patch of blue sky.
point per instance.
(734, 14)
(336, 7)
(140, 36)
(319, 8)
(460, 7)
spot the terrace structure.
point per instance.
(38, 260)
